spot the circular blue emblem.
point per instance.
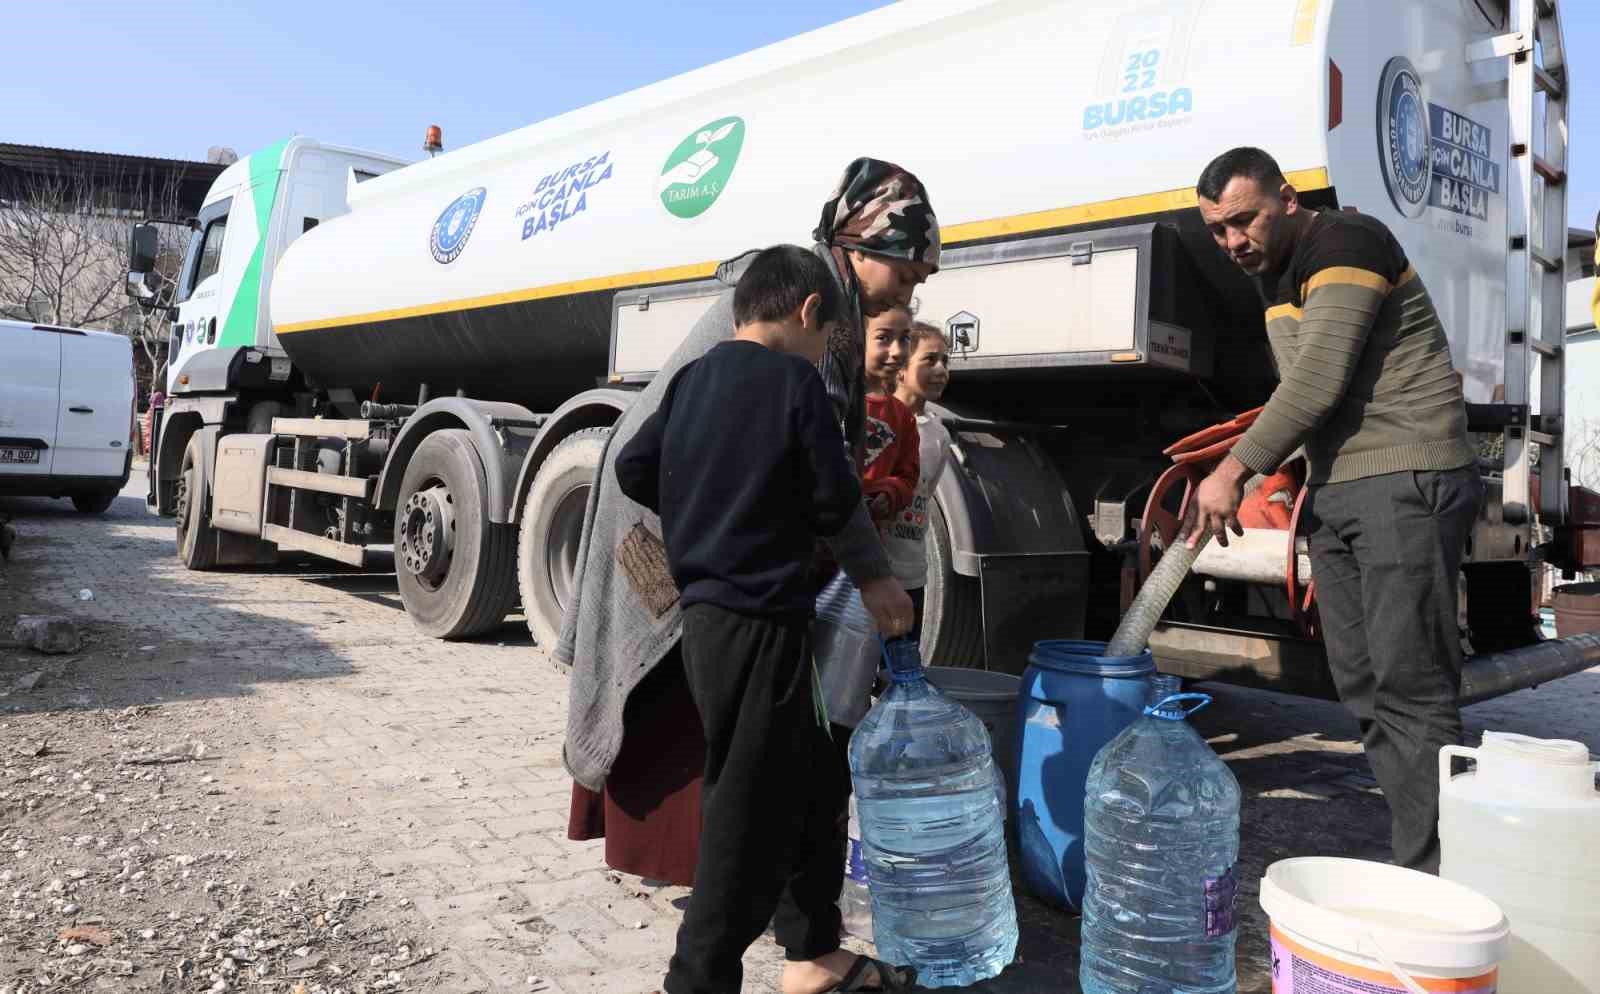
(1404, 144)
(454, 227)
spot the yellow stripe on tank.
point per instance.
(675, 274)
(1284, 311)
(1305, 23)
(1304, 180)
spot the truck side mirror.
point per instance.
(143, 283)
(144, 242)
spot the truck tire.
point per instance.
(92, 503)
(952, 613)
(196, 539)
(552, 527)
(455, 567)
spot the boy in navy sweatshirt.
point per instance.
(746, 465)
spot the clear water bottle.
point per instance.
(1161, 827)
(932, 832)
(855, 900)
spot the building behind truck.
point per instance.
(369, 353)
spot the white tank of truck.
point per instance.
(491, 268)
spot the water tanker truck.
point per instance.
(369, 354)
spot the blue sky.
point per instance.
(174, 77)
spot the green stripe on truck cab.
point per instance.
(266, 172)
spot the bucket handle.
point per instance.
(1449, 752)
(1406, 980)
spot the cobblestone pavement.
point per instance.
(343, 745)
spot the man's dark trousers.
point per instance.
(1386, 553)
(770, 839)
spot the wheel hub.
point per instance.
(427, 537)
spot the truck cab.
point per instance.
(225, 368)
(251, 215)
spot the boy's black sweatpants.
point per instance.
(770, 840)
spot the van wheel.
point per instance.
(455, 567)
(952, 613)
(93, 503)
(196, 539)
(552, 529)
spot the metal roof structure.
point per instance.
(131, 182)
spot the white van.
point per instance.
(66, 413)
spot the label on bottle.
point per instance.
(854, 868)
(1221, 894)
(1297, 969)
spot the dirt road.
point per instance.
(269, 781)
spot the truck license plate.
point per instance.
(18, 455)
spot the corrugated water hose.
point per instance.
(1133, 634)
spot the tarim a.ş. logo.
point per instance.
(454, 227)
(697, 171)
(1404, 145)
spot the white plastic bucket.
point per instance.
(1348, 926)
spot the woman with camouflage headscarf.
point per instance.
(880, 237)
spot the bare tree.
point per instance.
(1583, 452)
(64, 252)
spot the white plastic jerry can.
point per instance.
(1523, 829)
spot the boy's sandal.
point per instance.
(891, 979)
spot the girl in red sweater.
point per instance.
(893, 449)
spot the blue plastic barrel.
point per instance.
(1073, 701)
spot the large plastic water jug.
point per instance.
(1074, 699)
(928, 798)
(1523, 829)
(1161, 823)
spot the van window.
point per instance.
(211, 249)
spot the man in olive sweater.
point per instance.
(1367, 387)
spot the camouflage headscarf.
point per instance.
(880, 208)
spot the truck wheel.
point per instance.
(92, 503)
(952, 614)
(552, 527)
(196, 539)
(454, 566)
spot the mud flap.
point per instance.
(1028, 597)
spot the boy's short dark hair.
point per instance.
(778, 280)
(1236, 162)
(921, 331)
